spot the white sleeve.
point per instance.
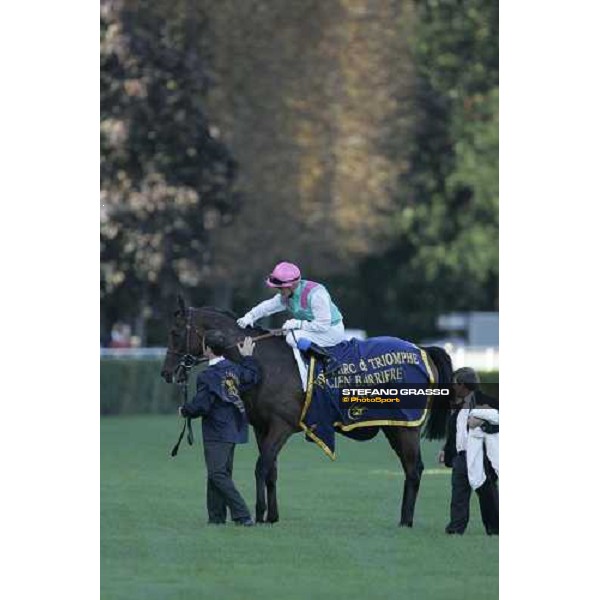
(490, 415)
(321, 309)
(266, 308)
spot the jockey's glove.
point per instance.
(292, 324)
(245, 321)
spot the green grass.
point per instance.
(338, 535)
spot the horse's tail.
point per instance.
(435, 427)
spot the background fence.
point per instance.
(130, 381)
(480, 358)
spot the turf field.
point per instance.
(337, 537)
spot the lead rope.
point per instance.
(188, 361)
(187, 423)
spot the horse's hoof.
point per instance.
(405, 524)
(273, 519)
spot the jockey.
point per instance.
(315, 317)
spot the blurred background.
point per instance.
(356, 138)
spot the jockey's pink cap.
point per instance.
(284, 275)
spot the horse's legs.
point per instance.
(406, 444)
(272, 507)
(261, 499)
(266, 468)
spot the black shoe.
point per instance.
(245, 522)
(454, 531)
(216, 522)
(493, 532)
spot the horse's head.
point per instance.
(184, 342)
(186, 336)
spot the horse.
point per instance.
(275, 406)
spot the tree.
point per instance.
(307, 98)
(167, 181)
(446, 252)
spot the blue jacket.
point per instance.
(218, 401)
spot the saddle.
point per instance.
(308, 349)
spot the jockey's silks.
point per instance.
(299, 303)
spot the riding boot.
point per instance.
(302, 368)
(319, 353)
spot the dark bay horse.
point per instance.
(274, 407)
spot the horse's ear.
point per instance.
(180, 304)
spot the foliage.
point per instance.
(446, 253)
(166, 180)
(307, 105)
(366, 142)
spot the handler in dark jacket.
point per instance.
(224, 423)
(454, 454)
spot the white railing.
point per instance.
(480, 358)
(135, 353)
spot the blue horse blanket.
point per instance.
(376, 363)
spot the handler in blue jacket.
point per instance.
(224, 423)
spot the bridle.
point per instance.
(187, 361)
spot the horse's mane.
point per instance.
(231, 314)
(221, 311)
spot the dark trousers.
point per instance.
(461, 498)
(220, 489)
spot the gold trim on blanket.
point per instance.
(380, 423)
(307, 400)
(352, 426)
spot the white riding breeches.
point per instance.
(332, 336)
(478, 443)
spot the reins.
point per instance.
(187, 423)
(258, 338)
